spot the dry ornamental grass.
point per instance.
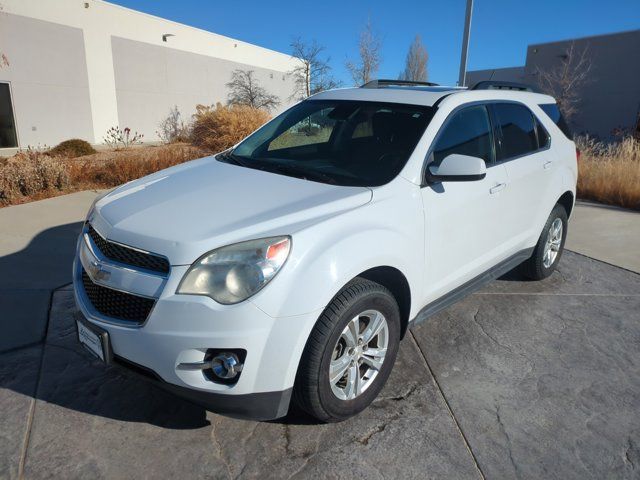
(31, 173)
(35, 175)
(216, 129)
(110, 169)
(610, 173)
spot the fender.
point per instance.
(359, 241)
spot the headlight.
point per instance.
(232, 274)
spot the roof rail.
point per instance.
(386, 83)
(500, 85)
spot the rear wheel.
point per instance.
(350, 352)
(550, 246)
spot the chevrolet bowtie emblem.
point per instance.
(98, 272)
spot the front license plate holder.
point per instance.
(95, 340)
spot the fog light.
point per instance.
(226, 365)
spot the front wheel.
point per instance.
(550, 246)
(350, 352)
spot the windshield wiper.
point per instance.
(288, 169)
(303, 173)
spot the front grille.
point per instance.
(115, 304)
(128, 256)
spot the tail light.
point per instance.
(577, 155)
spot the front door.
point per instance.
(463, 220)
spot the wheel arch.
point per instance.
(567, 201)
(396, 282)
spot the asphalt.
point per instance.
(522, 379)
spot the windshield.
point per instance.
(340, 142)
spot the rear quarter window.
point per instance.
(553, 112)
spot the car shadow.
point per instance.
(44, 360)
(514, 275)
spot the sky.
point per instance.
(500, 31)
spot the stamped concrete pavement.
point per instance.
(92, 421)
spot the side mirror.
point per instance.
(458, 168)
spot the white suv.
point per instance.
(293, 264)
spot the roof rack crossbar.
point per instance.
(384, 83)
(500, 85)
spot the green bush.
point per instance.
(72, 148)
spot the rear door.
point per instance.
(463, 220)
(522, 147)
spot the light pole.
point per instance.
(462, 78)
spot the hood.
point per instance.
(185, 211)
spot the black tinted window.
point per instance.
(517, 130)
(543, 135)
(467, 133)
(553, 111)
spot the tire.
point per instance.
(328, 342)
(539, 266)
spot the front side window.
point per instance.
(517, 130)
(468, 132)
(341, 142)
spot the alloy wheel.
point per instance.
(553, 243)
(358, 354)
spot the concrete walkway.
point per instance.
(607, 233)
(37, 244)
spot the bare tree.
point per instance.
(416, 63)
(172, 128)
(312, 74)
(565, 81)
(244, 89)
(369, 45)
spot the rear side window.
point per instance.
(516, 130)
(467, 133)
(552, 110)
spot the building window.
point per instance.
(8, 137)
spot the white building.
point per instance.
(78, 67)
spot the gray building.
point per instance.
(78, 68)
(609, 99)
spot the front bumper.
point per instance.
(254, 406)
(181, 328)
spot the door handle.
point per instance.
(547, 164)
(496, 188)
